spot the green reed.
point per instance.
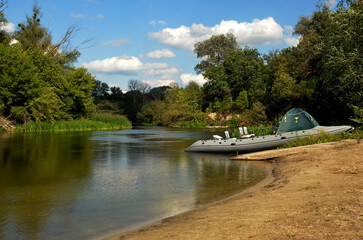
(98, 122)
(114, 120)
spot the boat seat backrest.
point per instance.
(241, 131)
(245, 130)
(227, 134)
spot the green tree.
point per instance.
(34, 87)
(4, 36)
(81, 85)
(193, 96)
(216, 89)
(100, 90)
(331, 44)
(241, 101)
(245, 69)
(32, 35)
(214, 50)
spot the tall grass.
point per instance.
(98, 122)
(115, 120)
(193, 125)
(324, 138)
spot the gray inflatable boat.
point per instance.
(295, 124)
(253, 144)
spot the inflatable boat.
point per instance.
(295, 124)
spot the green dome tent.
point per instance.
(295, 120)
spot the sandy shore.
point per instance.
(315, 194)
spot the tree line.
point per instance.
(322, 74)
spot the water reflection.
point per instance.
(86, 185)
(39, 173)
(231, 177)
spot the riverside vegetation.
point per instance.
(40, 88)
(321, 74)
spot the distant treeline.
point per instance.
(322, 74)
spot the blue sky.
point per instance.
(152, 40)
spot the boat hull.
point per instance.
(260, 143)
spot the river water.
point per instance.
(90, 185)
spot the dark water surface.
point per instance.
(90, 185)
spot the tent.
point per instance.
(296, 119)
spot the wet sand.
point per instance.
(314, 194)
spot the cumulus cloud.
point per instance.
(126, 65)
(164, 53)
(159, 82)
(188, 77)
(7, 27)
(161, 72)
(116, 42)
(130, 65)
(255, 33)
(288, 38)
(100, 16)
(291, 41)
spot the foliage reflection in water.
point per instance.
(93, 184)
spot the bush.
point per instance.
(114, 120)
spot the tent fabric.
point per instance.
(296, 119)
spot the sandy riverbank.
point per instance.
(315, 194)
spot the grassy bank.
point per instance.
(98, 122)
(325, 137)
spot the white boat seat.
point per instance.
(217, 137)
(248, 136)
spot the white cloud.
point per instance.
(164, 53)
(288, 38)
(159, 82)
(116, 42)
(81, 15)
(7, 27)
(258, 32)
(288, 30)
(153, 22)
(120, 65)
(161, 72)
(291, 41)
(130, 65)
(155, 65)
(77, 15)
(188, 77)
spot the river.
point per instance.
(90, 185)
